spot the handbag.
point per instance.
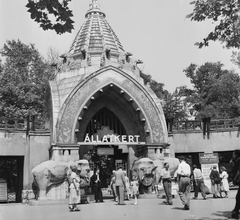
(206, 190)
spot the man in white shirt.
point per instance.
(199, 182)
(167, 183)
(183, 173)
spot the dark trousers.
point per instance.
(199, 185)
(98, 193)
(167, 185)
(184, 190)
(237, 204)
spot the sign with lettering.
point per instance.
(208, 158)
(109, 139)
(105, 151)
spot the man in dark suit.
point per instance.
(96, 186)
(120, 185)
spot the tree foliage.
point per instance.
(174, 104)
(226, 17)
(52, 15)
(215, 92)
(23, 80)
(154, 85)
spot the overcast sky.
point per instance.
(154, 31)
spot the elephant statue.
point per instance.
(50, 174)
(148, 171)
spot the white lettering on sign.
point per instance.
(112, 138)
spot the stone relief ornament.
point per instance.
(149, 109)
(69, 113)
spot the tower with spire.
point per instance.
(95, 46)
(99, 90)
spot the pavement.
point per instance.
(151, 208)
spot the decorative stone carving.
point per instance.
(69, 113)
(89, 60)
(152, 109)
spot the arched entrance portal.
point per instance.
(109, 107)
(109, 114)
(106, 157)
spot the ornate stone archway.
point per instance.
(142, 99)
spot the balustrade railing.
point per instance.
(189, 125)
(23, 124)
(197, 125)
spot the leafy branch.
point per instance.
(226, 14)
(41, 11)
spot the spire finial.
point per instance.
(94, 4)
(94, 7)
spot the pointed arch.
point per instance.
(104, 83)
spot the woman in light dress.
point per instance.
(127, 185)
(74, 189)
(224, 177)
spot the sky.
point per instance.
(155, 32)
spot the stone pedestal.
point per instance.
(64, 152)
(154, 151)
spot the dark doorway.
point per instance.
(11, 170)
(107, 163)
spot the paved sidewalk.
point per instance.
(146, 209)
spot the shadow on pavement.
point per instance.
(226, 214)
(178, 208)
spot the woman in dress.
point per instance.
(224, 177)
(74, 189)
(135, 185)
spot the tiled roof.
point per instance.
(96, 35)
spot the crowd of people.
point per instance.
(185, 177)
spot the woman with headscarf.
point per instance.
(224, 183)
(215, 180)
(74, 189)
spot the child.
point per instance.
(135, 184)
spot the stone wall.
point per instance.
(33, 147)
(195, 142)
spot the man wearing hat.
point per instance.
(120, 185)
(183, 174)
(197, 174)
